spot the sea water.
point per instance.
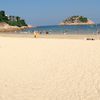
(66, 29)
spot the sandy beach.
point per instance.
(50, 36)
(49, 68)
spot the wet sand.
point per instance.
(50, 36)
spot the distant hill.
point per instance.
(12, 20)
(77, 20)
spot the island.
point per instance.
(11, 23)
(77, 20)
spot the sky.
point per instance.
(51, 12)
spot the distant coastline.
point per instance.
(11, 23)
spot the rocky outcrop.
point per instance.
(4, 27)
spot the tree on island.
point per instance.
(12, 20)
(3, 17)
(83, 19)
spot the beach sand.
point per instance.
(49, 69)
(50, 36)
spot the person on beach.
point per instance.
(40, 32)
(98, 32)
(35, 34)
(47, 32)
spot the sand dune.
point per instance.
(49, 69)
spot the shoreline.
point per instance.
(50, 36)
(76, 24)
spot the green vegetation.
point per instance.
(18, 23)
(12, 20)
(83, 19)
(3, 17)
(77, 19)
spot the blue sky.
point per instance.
(48, 12)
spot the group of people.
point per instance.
(37, 33)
